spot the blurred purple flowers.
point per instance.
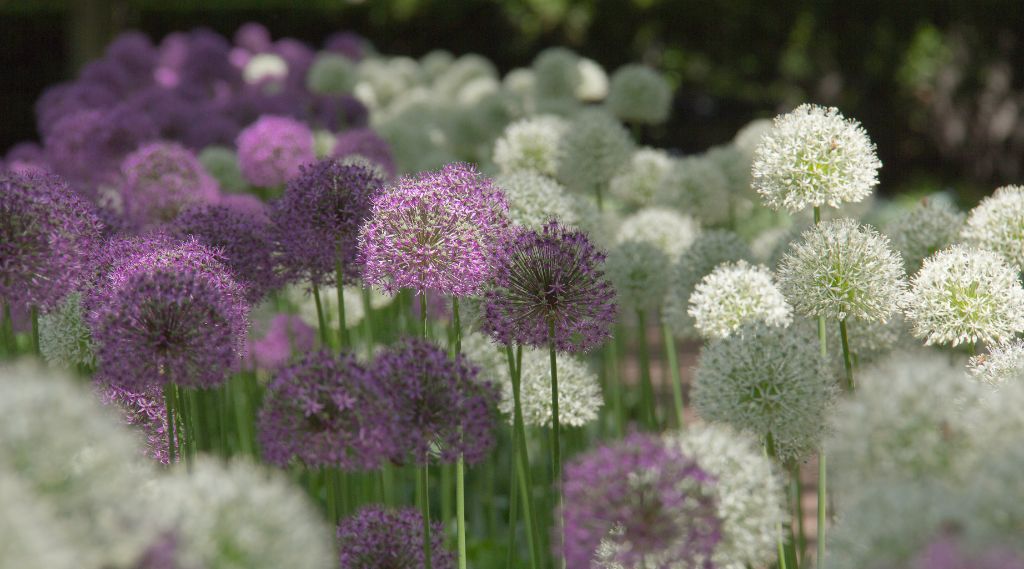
(378, 538)
(367, 143)
(271, 150)
(160, 179)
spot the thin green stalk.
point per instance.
(368, 320)
(332, 496)
(646, 388)
(321, 321)
(460, 464)
(847, 362)
(241, 406)
(615, 386)
(34, 315)
(387, 483)
(822, 471)
(798, 510)
(780, 542)
(513, 509)
(342, 330)
(423, 490)
(5, 340)
(169, 406)
(672, 361)
(522, 458)
(446, 493)
(423, 315)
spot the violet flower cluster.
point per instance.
(368, 144)
(376, 537)
(160, 179)
(271, 150)
(287, 334)
(144, 410)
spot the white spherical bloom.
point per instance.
(770, 245)
(749, 491)
(594, 148)
(381, 80)
(639, 94)
(749, 137)
(265, 67)
(64, 338)
(642, 177)
(535, 199)
(240, 516)
(962, 294)
(435, 63)
(579, 392)
(531, 144)
(991, 515)
(812, 157)
(1002, 363)
(699, 186)
(222, 163)
(593, 85)
(735, 294)
(323, 143)
(417, 139)
(997, 224)
(669, 230)
(32, 535)
(639, 271)
(841, 269)
(519, 86)
(331, 74)
(708, 250)
(557, 73)
(482, 352)
(930, 226)
(463, 72)
(767, 381)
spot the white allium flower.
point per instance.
(363, 161)
(812, 157)
(64, 338)
(222, 163)
(962, 294)
(708, 250)
(669, 230)
(323, 142)
(265, 67)
(642, 177)
(418, 141)
(749, 137)
(767, 381)
(332, 74)
(997, 224)
(382, 79)
(1002, 363)
(639, 271)
(991, 515)
(240, 516)
(435, 63)
(749, 492)
(698, 185)
(531, 144)
(841, 269)
(32, 535)
(520, 87)
(594, 148)
(535, 199)
(735, 294)
(593, 85)
(482, 352)
(930, 226)
(579, 392)
(465, 70)
(770, 245)
(639, 94)
(557, 74)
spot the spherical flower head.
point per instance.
(367, 143)
(331, 74)
(222, 163)
(286, 334)
(145, 412)
(700, 185)
(162, 178)
(709, 249)
(962, 294)
(997, 224)
(1002, 363)
(47, 234)
(549, 278)
(265, 68)
(648, 502)
(812, 157)
(639, 181)
(435, 231)
(639, 271)
(534, 199)
(749, 137)
(592, 151)
(667, 229)
(533, 143)
(930, 226)
(579, 392)
(841, 269)
(639, 94)
(736, 294)
(64, 337)
(271, 150)
(557, 73)
(440, 407)
(376, 537)
(593, 85)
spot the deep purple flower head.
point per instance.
(247, 204)
(162, 178)
(639, 503)
(380, 538)
(551, 275)
(436, 230)
(252, 102)
(299, 57)
(206, 67)
(317, 220)
(110, 74)
(143, 410)
(947, 552)
(26, 158)
(47, 236)
(336, 112)
(441, 408)
(271, 150)
(349, 44)
(327, 410)
(287, 334)
(65, 99)
(253, 36)
(134, 53)
(368, 144)
(244, 241)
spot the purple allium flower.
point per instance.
(243, 239)
(287, 334)
(336, 112)
(26, 158)
(47, 236)
(327, 410)
(368, 144)
(253, 36)
(206, 67)
(551, 275)
(437, 230)
(163, 553)
(271, 150)
(441, 406)
(66, 99)
(135, 54)
(247, 204)
(349, 44)
(161, 179)
(317, 220)
(946, 552)
(380, 538)
(144, 410)
(638, 502)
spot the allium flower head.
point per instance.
(734, 294)
(435, 231)
(962, 294)
(997, 224)
(930, 226)
(47, 234)
(376, 537)
(579, 393)
(593, 85)
(841, 269)
(699, 185)
(440, 408)
(557, 75)
(64, 337)
(639, 94)
(643, 503)
(749, 137)
(144, 411)
(769, 382)
(1002, 363)
(813, 157)
(162, 178)
(286, 334)
(535, 199)
(331, 74)
(367, 143)
(531, 144)
(642, 178)
(593, 149)
(666, 229)
(222, 163)
(271, 150)
(639, 271)
(552, 275)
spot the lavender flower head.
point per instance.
(375, 537)
(639, 502)
(271, 150)
(327, 410)
(947, 552)
(549, 276)
(441, 408)
(162, 178)
(317, 220)
(143, 410)
(437, 230)
(46, 237)
(287, 334)
(366, 143)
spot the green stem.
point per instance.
(368, 321)
(513, 506)
(321, 321)
(387, 483)
(522, 458)
(672, 361)
(342, 330)
(423, 489)
(847, 362)
(820, 561)
(615, 386)
(460, 465)
(34, 315)
(169, 406)
(646, 389)
(332, 495)
(446, 493)
(423, 315)
(5, 340)
(780, 545)
(798, 510)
